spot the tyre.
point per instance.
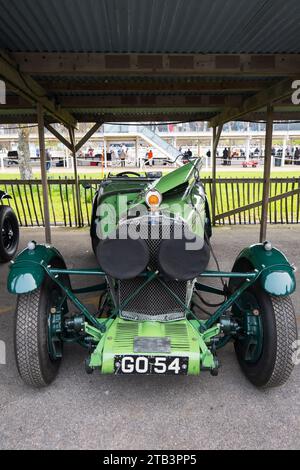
(265, 356)
(95, 243)
(34, 362)
(9, 233)
(208, 226)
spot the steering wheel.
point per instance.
(126, 173)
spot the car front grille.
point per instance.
(154, 301)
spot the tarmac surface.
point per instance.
(80, 411)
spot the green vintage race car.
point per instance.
(151, 236)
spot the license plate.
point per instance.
(163, 365)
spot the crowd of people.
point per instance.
(119, 153)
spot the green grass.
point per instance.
(253, 174)
(295, 172)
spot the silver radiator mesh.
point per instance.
(153, 302)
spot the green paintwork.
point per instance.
(54, 335)
(183, 174)
(185, 338)
(229, 302)
(122, 196)
(175, 178)
(116, 196)
(277, 277)
(251, 339)
(26, 272)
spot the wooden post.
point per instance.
(102, 164)
(105, 154)
(284, 147)
(214, 175)
(216, 138)
(267, 171)
(136, 152)
(41, 130)
(77, 189)
(248, 146)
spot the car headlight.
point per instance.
(153, 199)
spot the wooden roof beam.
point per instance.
(29, 89)
(136, 85)
(73, 63)
(268, 96)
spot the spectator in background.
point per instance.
(48, 160)
(297, 156)
(187, 155)
(113, 154)
(123, 155)
(150, 157)
(225, 156)
(288, 159)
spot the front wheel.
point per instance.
(9, 233)
(36, 363)
(266, 342)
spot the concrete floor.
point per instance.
(108, 412)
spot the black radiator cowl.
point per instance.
(177, 261)
(123, 259)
